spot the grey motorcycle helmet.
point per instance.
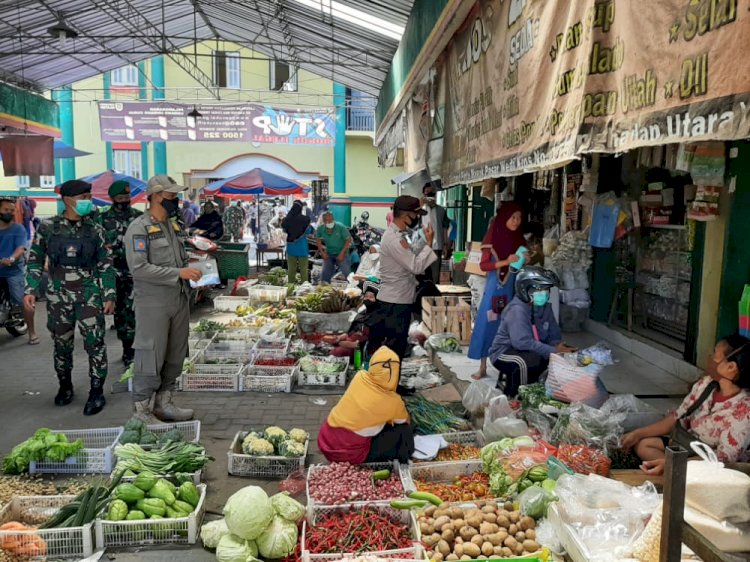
(534, 278)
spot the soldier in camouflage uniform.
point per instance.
(234, 222)
(81, 289)
(115, 221)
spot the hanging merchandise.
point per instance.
(705, 207)
(745, 312)
(708, 165)
(604, 222)
(570, 201)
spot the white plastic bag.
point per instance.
(477, 397)
(724, 535)
(500, 421)
(719, 492)
(568, 382)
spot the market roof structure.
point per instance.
(50, 43)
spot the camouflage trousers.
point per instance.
(63, 313)
(124, 313)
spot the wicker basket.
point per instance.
(436, 472)
(240, 464)
(182, 530)
(319, 379)
(313, 505)
(217, 378)
(74, 542)
(97, 456)
(406, 517)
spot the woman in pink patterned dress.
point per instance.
(721, 420)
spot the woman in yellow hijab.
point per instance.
(370, 422)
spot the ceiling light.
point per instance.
(195, 113)
(62, 31)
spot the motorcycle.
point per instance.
(364, 235)
(199, 250)
(11, 316)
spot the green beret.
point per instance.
(117, 188)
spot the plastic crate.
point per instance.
(227, 303)
(195, 477)
(97, 456)
(339, 284)
(182, 530)
(312, 504)
(266, 293)
(436, 472)
(217, 378)
(233, 263)
(191, 430)
(319, 379)
(471, 438)
(268, 379)
(240, 464)
(245, 334)
(73, 542)
(226, 352)
(275, 347)
(406, 517)
(198, 343)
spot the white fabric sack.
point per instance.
(726, 537)
(719, 492)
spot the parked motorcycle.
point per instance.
(11, 316)
(364, 235)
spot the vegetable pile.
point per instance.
(208, 326)
(42, 446)
(325, 299)
(357, 531)
(462, 488)
(173, 459)
(274, 441)
(514, 465)
(338, 483)
(429, 417)
(151, 498)
(26, 544)
(276, 276)
(137, 432)
(34, 486)
(584, 460)
(458, 452)
(491, 531)
(83, 509)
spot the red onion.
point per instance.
(339, 483)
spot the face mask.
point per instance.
(171, 206)
(375, 256)
(540, 298)
(84, 207)
(414, 222)
(60, 206)
(330, 225)
(121, 206)
(6, 217)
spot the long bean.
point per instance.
(174, 458)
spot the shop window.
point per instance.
(23, 181)
(227, 69)
(125, 76)
(283, 77)
(46, 181)
(127, 162)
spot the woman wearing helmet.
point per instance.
(528, 331)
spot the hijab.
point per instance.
(371, 398)
(499, 237)
(295, 223)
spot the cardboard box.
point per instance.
(473, 259)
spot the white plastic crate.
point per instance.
(240, 464)
(191, 431)
(74, 542)
(313, 504)
(97, 456)
(266, 293)
(328, 379)
(246, 334)
(269, 346)
(470, 438)
(268, 379)
(195, 477)
(217, 378)
(197, 343)
(406, 517)
(436, 472)
(224, 352)
(226, 303)
(182, 530)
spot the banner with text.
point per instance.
(533, 84)
(163, 121)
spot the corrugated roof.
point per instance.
(113, 33)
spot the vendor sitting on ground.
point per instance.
(358, 333)
(209, 224)
(370, 422)
(528, 331)
(716, 412)
(369, 266)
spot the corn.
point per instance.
(646, 547)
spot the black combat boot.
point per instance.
(96, 401)
(65, 393)
(127, 353)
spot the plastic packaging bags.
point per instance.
(584, 460)
(534, 502)
(446, 343)
(582, 425)
(477, 397)
(599, 353)
(569, 382)
(724, 535)
(500, 421)
(646, 546)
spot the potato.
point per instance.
(440, 522)
(437, 557)
(440, 512)
(482, 557)
(520, 536)
(514, 516)
(530, 546)
(497, 550)
(475, 521)
(487, 548)
(471, 550)
(494, 539)
(513, 529)
(458, 523)
(473, 511)
(435, 538)
(488, 528)
(490, 518)
(429, 540)
(448, 535)
(458, 550)
(511, 543)
(507, 553)
(467, 532)
(477, 540)
(443, 548)
(526, 523)
(489, 509)
(465, 557)
(508, 506)
(503, 521)
(430, 511)
(458, 540)
(530, 534)
(456, 513)
(423, 526)
(449, 557)
(519, 549)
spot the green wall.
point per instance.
(20, 103)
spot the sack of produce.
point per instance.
(569, 382)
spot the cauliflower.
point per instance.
(275, 435)
(291, 448)
(254, 446)
(298, 435)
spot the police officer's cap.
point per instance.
(161, 183)
(409, 203)
(71, 188)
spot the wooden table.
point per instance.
(261, 252)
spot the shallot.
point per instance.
(339, 483)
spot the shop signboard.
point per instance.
(534, 84)
(164, 121)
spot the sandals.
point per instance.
(34, 341)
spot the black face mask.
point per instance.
(6, 217)
(171, 206)
(415, 222)
(121, 206)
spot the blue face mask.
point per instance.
(540, 298)
(84, 207)
(60, 206)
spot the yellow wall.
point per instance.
(365, 179)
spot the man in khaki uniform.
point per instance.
(158, 262)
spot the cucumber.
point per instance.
(427, 497)
(384, 474)
(408, 504)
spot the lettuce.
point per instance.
(248, 512)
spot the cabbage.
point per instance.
(234, 549)
(212, 533)
(278, 540)
(288, 508)
(248, 512)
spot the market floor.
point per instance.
(29, 386)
